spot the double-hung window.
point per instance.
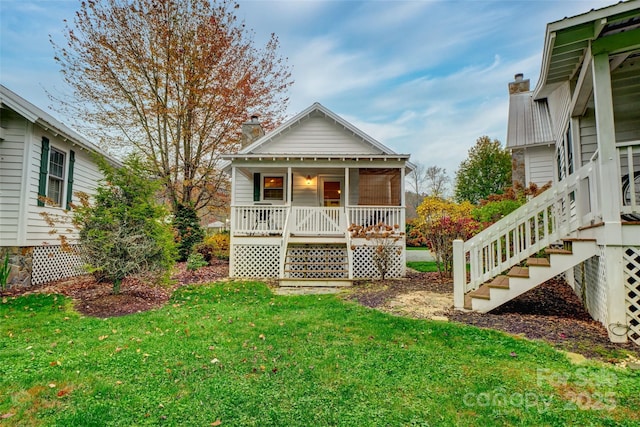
(272, 188)
(55, 181)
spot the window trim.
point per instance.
(263, 177)
(62, 179)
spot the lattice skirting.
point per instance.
(316, 262)
(52, 263)
(631, 259)
(365, 268)
(253, 261)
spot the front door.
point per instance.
(331, 192)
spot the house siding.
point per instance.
(540, 165)
(625, 84)
(559, 102)
(316, 135)
(588, 138)
(11, 156)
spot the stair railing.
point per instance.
(552, 215)
(286, 232)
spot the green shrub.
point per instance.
(5, 270)
(494, 211)
(195, 261)
(124, 232)
(215, 246)
(188, 230)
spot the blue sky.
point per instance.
(422, 77)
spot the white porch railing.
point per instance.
(552, 215)
(258, 219)
(317, 221)
(629, 155)
(371, 215)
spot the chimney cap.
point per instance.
(254, 118)
(518, 77)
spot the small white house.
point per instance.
(40, 158)
(588, 101)
(297, 190)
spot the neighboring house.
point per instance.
(39, 158)
(590, 88)
(297, 190)
(529, 135)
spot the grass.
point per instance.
(417, 248)
(423, 266)
(236, 355)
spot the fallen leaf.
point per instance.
(11, 414)
(262, 337)
(216, 423)
(513, 354)
(103, 337)
(52, 385)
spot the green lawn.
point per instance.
(423, 266)
(236, 355)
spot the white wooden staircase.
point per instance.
(520, 279)
(500, 263)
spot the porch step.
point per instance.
(314, 283)
(520, 279)
(331, 239)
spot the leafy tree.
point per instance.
(442, 222)
(487, 170)
(124, 232)
(172, 80)
(188, 230)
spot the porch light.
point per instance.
(308, 179)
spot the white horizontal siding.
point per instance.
(559, 102)
(539, 165)
(625, 84)
(86, 177)
(317, 135)
(588, 138)
(11, 160)
(243, 188)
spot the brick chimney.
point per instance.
(251, 131)
(519, 85)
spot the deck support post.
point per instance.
(459, 274)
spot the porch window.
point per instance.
(272, 188)
(55, 181)
(379, 187)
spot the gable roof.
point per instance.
(313, 109)
(529, 122)
(35, 115)
(372, 148)
(613, 28)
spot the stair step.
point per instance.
(501, 282)
(482, 292)
(538, 262)
(578, 239)
(518, 272)
(558, 251)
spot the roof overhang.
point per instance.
(613, 29)
(35, 115)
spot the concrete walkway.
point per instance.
(419, 255)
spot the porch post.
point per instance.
(347, 188)
(610, 195)
(233, 223)
(459, 274)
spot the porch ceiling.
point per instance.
(612, 29)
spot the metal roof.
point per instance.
(567, 40)
(529, 121)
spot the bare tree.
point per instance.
(173, 80)
(426, 181)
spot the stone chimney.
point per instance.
(251, 131)
(519, 85)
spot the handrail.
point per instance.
(556, 213)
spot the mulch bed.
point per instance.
(551, 312)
